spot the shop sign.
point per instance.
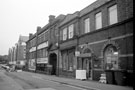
(77, 53)
(42, 60)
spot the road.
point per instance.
(29, 81)
(34, 81)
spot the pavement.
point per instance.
(88, 85)
(7, 83)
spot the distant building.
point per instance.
(21, 50)
(31, 52)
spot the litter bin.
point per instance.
(110, 77)
(120, 77)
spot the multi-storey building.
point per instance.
(54, 43)
(31, 52)
(106, 29)
(69, 30)
(42, 53)
(98, 39)
(21, 50)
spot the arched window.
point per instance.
(111, 57)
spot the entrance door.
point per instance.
(87, 66)
(53, 62)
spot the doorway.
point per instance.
(86, 65)
(53, 62)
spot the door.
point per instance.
(87, 66)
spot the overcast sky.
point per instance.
(21, 17)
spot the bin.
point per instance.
(120, 77)
(110, 77)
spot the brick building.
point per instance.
(31, 52)
(100, 40)
(21, 50)
(95, 39)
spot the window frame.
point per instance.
(64, 34)
(86, 25)
(111, 9)
(98, 21)
(70, 31)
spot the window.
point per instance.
(65, 34)
(111, 57)
(61, 35)
(113, 17)
(64, 60)
(71, 31)
(98, 20)
(87, 25)
(68, 59)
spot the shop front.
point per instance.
(41, 65)
(84, 61)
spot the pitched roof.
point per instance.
(92, 6)
(69, 17)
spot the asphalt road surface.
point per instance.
(30, 81)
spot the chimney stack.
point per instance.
(51, 18)
(30, 35)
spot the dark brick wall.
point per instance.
(97, 74)
(66, 73)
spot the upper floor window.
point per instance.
(113, 17)
(98, 18)
(87, 25)
(64, 33)
(70, 31)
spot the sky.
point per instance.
(21, 17)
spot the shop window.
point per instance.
(70, 60)
(111, 57)
(64, 60)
